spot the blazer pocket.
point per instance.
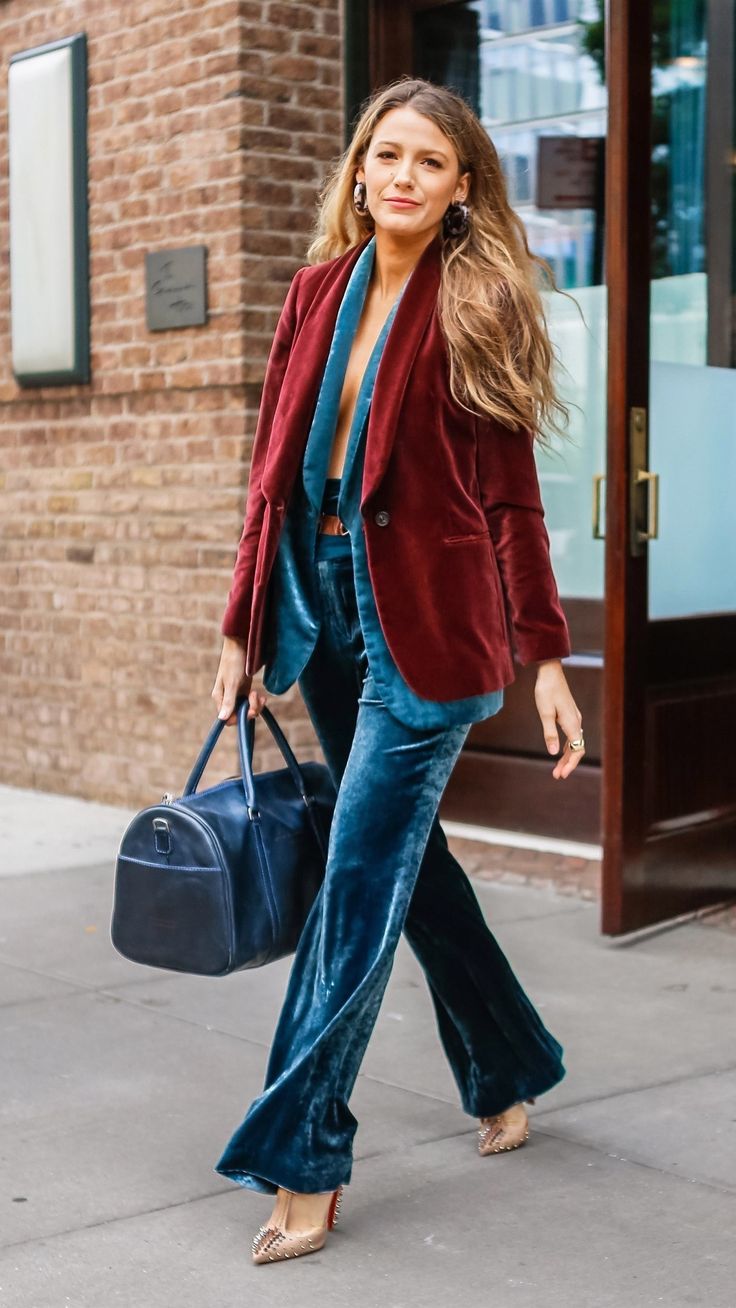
(460, 540)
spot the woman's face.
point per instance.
(410, 159)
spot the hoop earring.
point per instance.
(359, 199)
(456, 219)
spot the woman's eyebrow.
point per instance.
(426, 150)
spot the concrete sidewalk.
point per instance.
(121, 1085)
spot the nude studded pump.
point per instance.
(273, 1243)
(507, 1130)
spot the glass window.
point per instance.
(692, 423)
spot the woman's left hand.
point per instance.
(555, 704)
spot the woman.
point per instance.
(393, 552)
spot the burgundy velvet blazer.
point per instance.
(457, 547)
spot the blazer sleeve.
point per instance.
(236, 618)
(512, 504)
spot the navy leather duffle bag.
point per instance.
(224, 878)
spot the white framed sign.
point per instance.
(49, 241)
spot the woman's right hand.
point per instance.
(232, 683)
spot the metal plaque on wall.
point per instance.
(176, 288)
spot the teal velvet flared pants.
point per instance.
(388, 870)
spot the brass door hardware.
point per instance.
(598, 480)
(643, 510)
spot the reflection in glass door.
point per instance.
(692, 407)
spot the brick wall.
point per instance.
(121, 501)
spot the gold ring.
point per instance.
(577, 744)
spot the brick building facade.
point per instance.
(122, 500)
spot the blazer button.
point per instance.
(382, 517)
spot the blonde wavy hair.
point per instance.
(490, 308)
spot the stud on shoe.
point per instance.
(333, 1216)
(504, 1131)
(273, 1243)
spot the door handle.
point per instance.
(598, 480)
(651, 531)
(643, 511)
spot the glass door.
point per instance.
(669, 799)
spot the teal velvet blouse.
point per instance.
(294, 612)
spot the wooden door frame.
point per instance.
(659, 861)
(391, 34)
(628, 79)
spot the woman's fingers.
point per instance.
(220, 696)
(567, 763)
(228, 685)
(548, 716)
(571, 721)
(227, 706)
(256, 699)
(231, 681)
(556, 705)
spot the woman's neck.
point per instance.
(394, 260)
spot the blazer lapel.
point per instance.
(297, 400)
(322, 431)
(304, 372)
(415, 309)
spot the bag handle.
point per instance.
(246, 738)
(246, 741)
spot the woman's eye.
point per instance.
(388, 154)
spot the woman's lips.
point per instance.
(405, 204)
